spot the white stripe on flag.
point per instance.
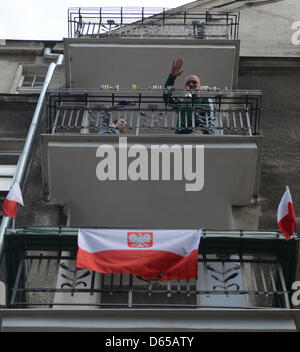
(283, 209)
(15, 194)
(181, 242)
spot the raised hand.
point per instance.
(176, 69)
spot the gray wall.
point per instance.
(280, 124)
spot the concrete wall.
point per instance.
(281, 148)
(266, 29)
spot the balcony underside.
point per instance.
(123, 62)
(148, 320)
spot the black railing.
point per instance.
(149, 111)
(152, 22)
(238, 269)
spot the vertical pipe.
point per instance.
(28, 146)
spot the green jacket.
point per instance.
(194, 112)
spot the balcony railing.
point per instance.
(239, 269)
(152, 22)
(146, 112)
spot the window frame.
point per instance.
(28, 70)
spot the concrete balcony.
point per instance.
(244, 280)
(165, 193)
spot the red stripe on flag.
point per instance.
(9, 208)
(147, 264)
(287, 224)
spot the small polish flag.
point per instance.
(151, 254)
(11, 201)
(286, 216)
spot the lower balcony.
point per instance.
(235, 270)
(244, 280)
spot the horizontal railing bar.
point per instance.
(212, 260)
(230, 93)
(141, 305)
(134, 290)
(185, 14)
(69, 231)
(117, 109)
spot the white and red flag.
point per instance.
(13, 198)
(285, 215)
(151, 254)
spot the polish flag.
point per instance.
(152, 254)
(11, 201)
(286, 216)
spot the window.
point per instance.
(28, 78)
(33, 81)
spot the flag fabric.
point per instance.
(11, 201)
(151, 254)
(285, 215)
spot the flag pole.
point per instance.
(13, 224)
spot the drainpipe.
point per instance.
(29, 143)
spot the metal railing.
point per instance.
(147, 112)
(238, 269)
(152, 22)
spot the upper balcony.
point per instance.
(79, 122)
(152, 22)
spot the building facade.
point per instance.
(57, 98)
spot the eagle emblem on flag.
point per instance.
(140, 239)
